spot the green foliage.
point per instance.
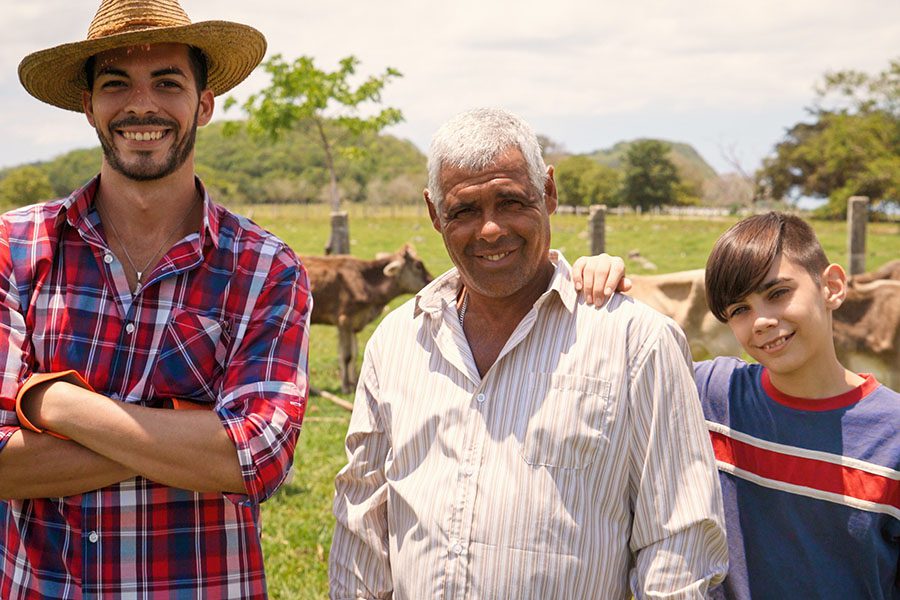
(25, 185)
(242, 168)
(582, 181)
(851, 146)
(72, 170)
(650, 178)
(302, 95)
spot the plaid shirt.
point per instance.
(222, 320)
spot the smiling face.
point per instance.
(145, 108)
(785, 324)
(496, 226)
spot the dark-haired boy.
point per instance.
(808, 452)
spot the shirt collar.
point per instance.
(435, 296)
(78, 206)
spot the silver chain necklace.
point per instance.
(140, 272)
(463, 308)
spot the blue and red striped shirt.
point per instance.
(222, 321)
(811, 487)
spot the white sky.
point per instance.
(717, 74)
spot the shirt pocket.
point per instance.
(191, 358)
(569, 421)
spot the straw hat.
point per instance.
(56, 75)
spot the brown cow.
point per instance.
(866, 326)
(867, 330)
(350, 293)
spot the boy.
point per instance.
(807, 451)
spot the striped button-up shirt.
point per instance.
(222, 320)
(576, 467)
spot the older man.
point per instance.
(507, 441)
(135, 295)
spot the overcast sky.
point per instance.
(723, 76)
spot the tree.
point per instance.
(650, 178)
(301, 93)
(850, 145)
(582, 181)
(25, 185)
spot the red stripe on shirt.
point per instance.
(807, 472)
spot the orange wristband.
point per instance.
(179, 404)
(36, 379)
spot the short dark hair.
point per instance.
(198, 60)
(744, 254)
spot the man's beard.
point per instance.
(144, 169)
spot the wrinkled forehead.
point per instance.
(508, 166)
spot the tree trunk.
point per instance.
(339, 241)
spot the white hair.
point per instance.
(473, 140)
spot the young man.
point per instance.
(134, 295)
(807, 450)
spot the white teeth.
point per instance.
(775, 343)
(142, 136)
(496, 257)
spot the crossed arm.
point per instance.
(112, 441)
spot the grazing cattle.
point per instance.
(867, 330)
(866, 326)
(350, 293)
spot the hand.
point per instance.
(599, 276)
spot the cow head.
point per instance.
(409, 272)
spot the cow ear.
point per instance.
(834, 286)
(393, 268)
(380, 255)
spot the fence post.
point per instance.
(857, 215)
(339, 242)
(597, 228)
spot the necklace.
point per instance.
(140, 272)
(463, 308)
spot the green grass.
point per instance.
(297, 522)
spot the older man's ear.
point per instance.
(551, 199)
(432, 212)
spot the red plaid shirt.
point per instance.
(222, 320)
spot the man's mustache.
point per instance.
(138, 122)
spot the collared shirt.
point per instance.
(222, 320)
(579, 465)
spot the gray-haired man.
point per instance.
(507, 440)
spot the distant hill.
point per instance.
(691, 165)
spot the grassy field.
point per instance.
(297, 522)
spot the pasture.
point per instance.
(297, 522)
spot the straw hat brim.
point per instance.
(56, 75)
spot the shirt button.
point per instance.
(481, 398)
(469, 470)
(129, 328)
(457, 549)
(108, 258)
(93, 537)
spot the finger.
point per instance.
(588, 287)
(626, 284)
(616, 273)
(577, 269)
(601, 275)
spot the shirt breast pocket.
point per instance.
(568, 425)
(191, 358)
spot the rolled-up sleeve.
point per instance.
(678, 532)
(264, 396)
(359, 564)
